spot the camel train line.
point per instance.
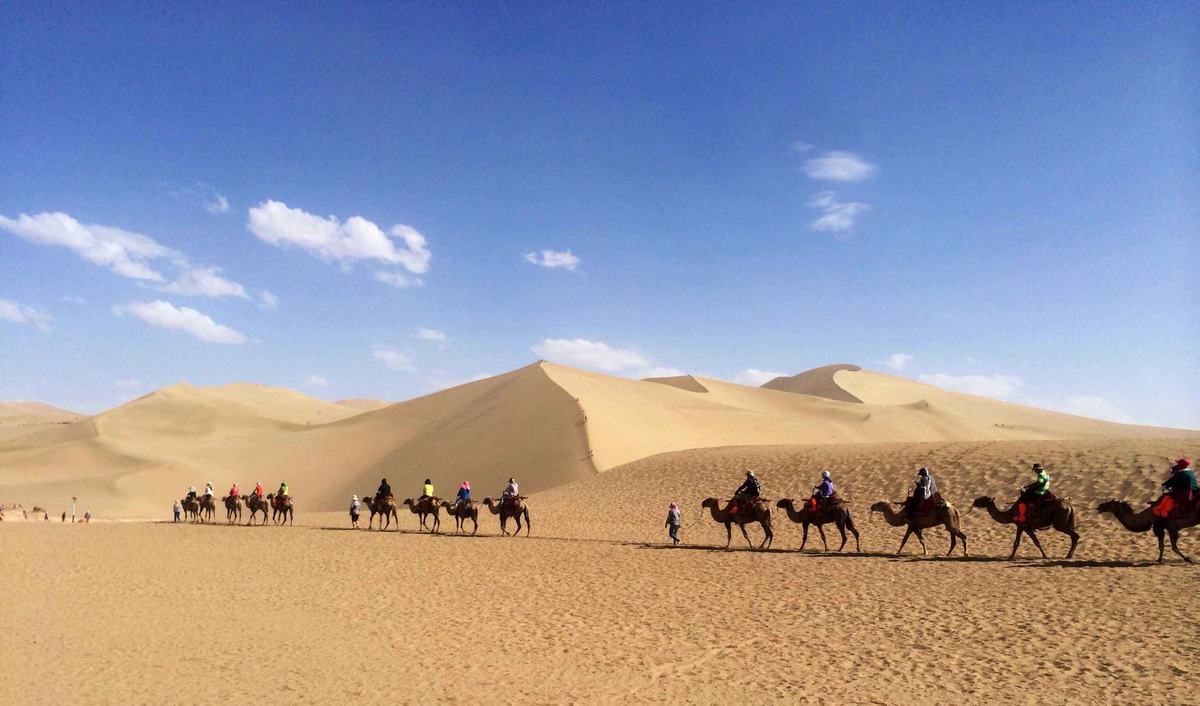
(1036, 509)
(202, 510)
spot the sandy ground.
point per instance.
(593, 607)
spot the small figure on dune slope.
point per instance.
(674, 520)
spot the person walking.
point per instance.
(354, 508)
(674, 521)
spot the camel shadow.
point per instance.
(979, 558)
(1083, 563)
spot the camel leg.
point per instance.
(742, 527)
(854, 531)
(528, 524)
(1074, 541)
(904, 541)
(1174, 533)
(475, 528)
(804, 539)
(729, 534)
(1016, 543)
(953, 538)
(841, 528)
(963, 537)
(824, 544)
(921, 539)
(768, 535)
(1161, 534)
(1036, 543)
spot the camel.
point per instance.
(281, 507)
(208, 508)
(256, 504)
(1058, 513)
(1147, 520)
(761, 514)
(467, 511)
(422, 508)
(945, 515)
(191, 508)
(515, 510)
(385, 508)
(233, 508)
(836, 511)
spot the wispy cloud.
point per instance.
(597, 355)
(71, 299)
(835, 215)
(205, 282)
(127, 253)
(553, 258)
(316, 381)
(399, 280)
(898, 361)
(755, 377)
(25, 315)
(218, 204)
(268, 300)
(432, 334)
(166, 315)
(394, 359)
(839, 166)
(334, 241)
(1000, 387)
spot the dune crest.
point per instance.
(819, 382)
(547, 425)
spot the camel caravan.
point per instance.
(1035, 509)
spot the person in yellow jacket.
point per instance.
(427, 491)
(283, 490)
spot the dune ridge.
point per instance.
(545, 424)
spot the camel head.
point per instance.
(983, 501)
(407, 501)
(881, 506)
(1114, 506)
(711, 502)
(786, 503)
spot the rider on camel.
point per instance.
(925, 489)
(823, 492)
(1033, 493)
(747, 493)
(283, 491)
(510, 494)
(208, 491)
(191, 492)
(426, 492)
(258, 489)
(384, 492)
(464, 494)
(233, 491)
(1179, 489)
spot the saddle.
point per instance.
(744, 505)
(930, 504)
(1176, 504)
(278, 501)
(511, 502)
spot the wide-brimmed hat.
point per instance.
(1181, 464)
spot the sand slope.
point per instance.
(547, 425)
(21, 418)
(819, 382)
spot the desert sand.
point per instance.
(593, 607)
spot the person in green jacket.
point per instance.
(1034, 492)
(283, 490)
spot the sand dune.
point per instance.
(683, 382)
(594, 609)
(22, 418)
(548, 425)
(819, 382)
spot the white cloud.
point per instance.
(205, 282)
(190, 321)
(394, 359)
(126, 253)
(268, 300)
(442, 380)
(70, 299)
(839, 166)
(898, 361)
(398, 280)
(997, 386)
(591, 354)
(430, 334)
(553, 258)
(316, 381)
(218, 204)
(26, 315)
(661, 372)
(755, 377)
(836, 215)
(1095, 407)
(332, 240)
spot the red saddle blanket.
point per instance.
(930, 504)
(746, 504)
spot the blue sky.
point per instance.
(998, 198)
